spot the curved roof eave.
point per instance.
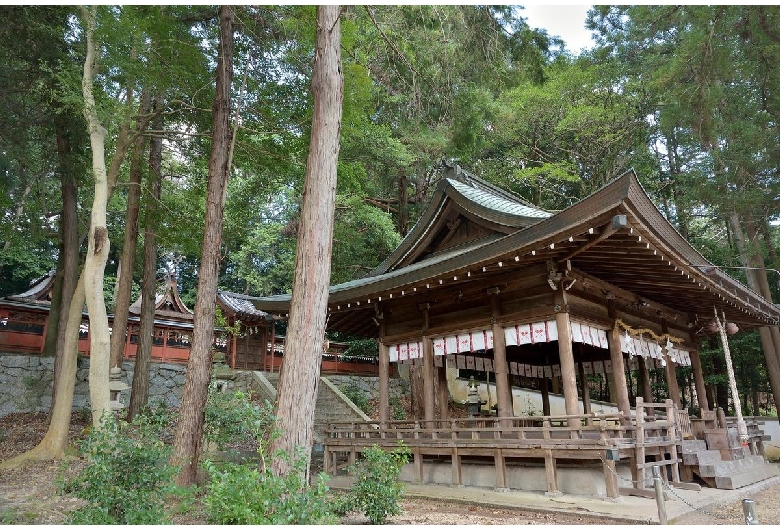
(500, 209)
(624, 195)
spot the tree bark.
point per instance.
(55, 442)
(139, 394)
(98, 246)
(299, 379)
(189, 432)
(127, 261)
(68, 261)
(770, 336)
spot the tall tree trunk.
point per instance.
(403, 203)
(298, 382)
(98, 246)
(127, 261)
(770, 335)
(55, 442)
(68, 260)
(189, 432)
(139, 395)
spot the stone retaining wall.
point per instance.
(399, 387)
(26, 382)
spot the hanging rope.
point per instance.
(661, 339)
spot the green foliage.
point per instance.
(377, 490)
(362, 348)
(232, 418)
(12, 516)
(127, 477)
(356, 395)
(245, 494)
(249, 493)
(397, 409)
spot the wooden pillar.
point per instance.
(444, 393)
(500, 366)
(429, 399)
(566, 354)
(384, 382)
(644, 377)
(698, 380)
(273, 343)
(584, 388)
(545, 397)
(618, 366)
(671, 371)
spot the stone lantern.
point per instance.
(473, 401)
(115, 387)
(222, 373)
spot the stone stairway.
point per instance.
(744, 469)
(332, 405)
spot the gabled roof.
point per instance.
(643, 255)
(240, 307)
(168, 304)
(38, 292)
(463, 208)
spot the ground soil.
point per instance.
(30, 495)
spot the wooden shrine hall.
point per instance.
(487, 281)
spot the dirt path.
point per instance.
(30, 495)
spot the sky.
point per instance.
(567, 22)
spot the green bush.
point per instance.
(245, 494)
(398, 412)
(232, 418)
(377, 489)
(356, 395)
(127, 477)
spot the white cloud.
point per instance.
(566, 22)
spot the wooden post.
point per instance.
(444, 393)
(384, 383)
(273, 344)
(550, 472)
(500, 464)
(500, 367)
(671, 371)
(545, 397)
(610, 478)
(585, 391)
(566, 354)
(644, 377)
(640, 444)
(457, 471)
(698, 379)
(429, 399)
(618, 366)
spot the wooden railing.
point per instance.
(655, 434)
(652, 431)
(547, 437)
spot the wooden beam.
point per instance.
(618, 222)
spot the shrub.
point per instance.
(356, 395)
(128, 475)
(377, 488)
(245, 494)
(232, 418)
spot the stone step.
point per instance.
(728, 467)
(699, 458)
(693, 446)
(745, 477)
